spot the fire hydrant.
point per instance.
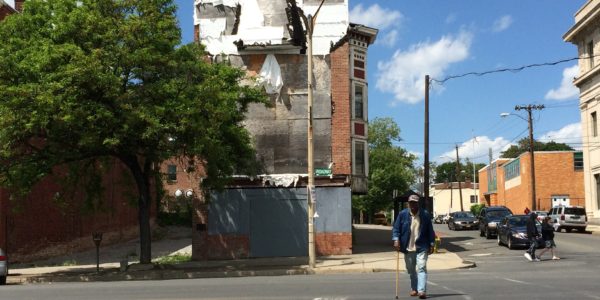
(438, 242)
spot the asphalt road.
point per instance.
(500, 274)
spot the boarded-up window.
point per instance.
(359, 158)
(358, 102)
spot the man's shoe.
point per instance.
(422, 295)
(528, 256)
(536, 259)
(555, 258)
(413, 293)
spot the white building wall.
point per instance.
(441, 199)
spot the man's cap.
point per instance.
(413, 198)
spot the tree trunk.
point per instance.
(143, 184)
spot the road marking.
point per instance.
(458, 292)
(481, 254)
(516, 281)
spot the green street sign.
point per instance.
(322, 171)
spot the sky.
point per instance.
(448, 38)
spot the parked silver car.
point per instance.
(3, 267)
(568, 218)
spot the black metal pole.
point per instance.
(426, 146)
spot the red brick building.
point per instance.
(267, 216)
(558, 177)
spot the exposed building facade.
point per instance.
(446, 196)
(558, 177)
(585, 34)
(267, 215)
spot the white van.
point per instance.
(568, 218)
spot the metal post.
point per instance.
(97, 237)
(426, 144)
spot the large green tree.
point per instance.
(84, 82)
(390, 166)
(523, 146)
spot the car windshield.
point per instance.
(520, 221)
(498, 213)
(463, 215)
(574, 211)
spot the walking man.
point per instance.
(413, 235)
(532, 234)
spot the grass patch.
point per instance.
(68, 263)
(173, 259)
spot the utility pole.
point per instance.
(309, 23)
(426, 144)
(458, 178)
(529, 108)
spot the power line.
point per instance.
(513, 70)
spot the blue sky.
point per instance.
(445, 38)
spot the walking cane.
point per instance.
(397, 270)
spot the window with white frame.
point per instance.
(473, 199)
(360, 158)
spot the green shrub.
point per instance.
(476, 208)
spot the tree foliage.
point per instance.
(522, 146)
(390, 166)
(446, 172)
(84, 82)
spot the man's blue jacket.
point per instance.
(401, 230)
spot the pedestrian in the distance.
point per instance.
(548, 236)
(532, 234)
(413, 235)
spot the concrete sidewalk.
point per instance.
(372, 248)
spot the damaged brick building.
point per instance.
(267, 215)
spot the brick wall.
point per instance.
(333, 243)
(341, 147)
(38, 227)
(554, 175)
(5, 10)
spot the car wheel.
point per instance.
(481, 232)
(568, 229)
(509, 243)
(3, 280)
(449, 228)
(499, 241)
(488, 235)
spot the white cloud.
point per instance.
(502, 23)
(477, 151)
(570, 134)
(403, 74)
(567, 89)
(389, 39)
(375, 16)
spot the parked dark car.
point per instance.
(3, 267)
(462, 220)
(512, 231)
(489, 217)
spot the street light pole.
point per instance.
(309, 22)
